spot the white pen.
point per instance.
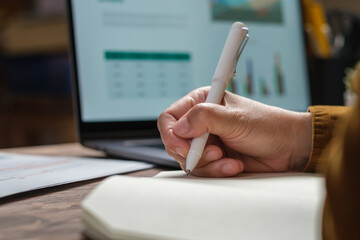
(226, 69)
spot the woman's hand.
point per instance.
(245, 136)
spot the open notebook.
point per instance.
(174, 206)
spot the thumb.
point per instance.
(205, 117)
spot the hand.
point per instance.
(245, 136)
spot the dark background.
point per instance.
(35, 85)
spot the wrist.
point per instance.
(302, 136)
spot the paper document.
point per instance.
(21, 173)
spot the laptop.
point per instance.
(132, 58)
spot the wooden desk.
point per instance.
(52, 213)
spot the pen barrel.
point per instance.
(217, 90)
(228, 59)
(223, 73)
(215, 95)
(194, 154)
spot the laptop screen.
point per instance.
(135, 57)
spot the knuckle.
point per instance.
(203, 111)
(161, 119)
(190, 100)
(199, 93)
(163, 115)
(167, 139)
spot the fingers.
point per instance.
(226, 167)
(213, 165)
(183, 105)
(211, 153)
(173, 143)
(178, 147)
(206, 117)
(197, 118)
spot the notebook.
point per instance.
(174, 206)
(132, 58)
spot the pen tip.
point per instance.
(187, 172)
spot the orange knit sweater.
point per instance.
(336, 153)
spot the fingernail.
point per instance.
(182, 126)
(209, 155)
(228, 169)
(179, 151)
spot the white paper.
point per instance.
(299, 183)
(21, 173)
(172, 206)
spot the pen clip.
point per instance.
(241, 48)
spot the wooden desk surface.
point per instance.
(52, 213)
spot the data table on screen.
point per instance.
(147, 75)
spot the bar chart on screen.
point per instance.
(253, 83)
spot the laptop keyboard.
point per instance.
(155, 143)
(160, 146)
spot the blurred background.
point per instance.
(35, 85)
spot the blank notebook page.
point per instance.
(174, 206)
